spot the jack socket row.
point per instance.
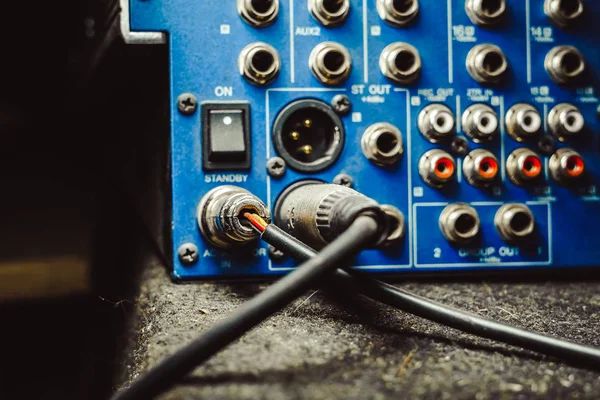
(400, 62)
(460, 223)
(399, 13)
(329, 62)
(329, 13)
(487, 64)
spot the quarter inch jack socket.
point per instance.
(219, 216)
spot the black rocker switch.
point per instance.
(226, 136)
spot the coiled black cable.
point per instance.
(353, 280)
(359, 235)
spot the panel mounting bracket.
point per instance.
(131, 37)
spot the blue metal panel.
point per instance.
(205, 39)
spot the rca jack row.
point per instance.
(481, 168)
(480, 122)
(460, 223)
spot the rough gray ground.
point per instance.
(320, 348)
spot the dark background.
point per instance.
(78, 159)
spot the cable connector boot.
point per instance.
(317, 213)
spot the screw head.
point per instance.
(187, 103)
(276, 167)
(459, 146)
(188, 254)
(341, 104)
(276, 255)
(343, 180)
(547, 145)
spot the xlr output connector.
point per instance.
(220, 216)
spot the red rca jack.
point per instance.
(437, 168)
(481, 168)
(566, 166)
(524, 167)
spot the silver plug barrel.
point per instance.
(220, 219)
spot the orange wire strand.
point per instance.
(256, 221)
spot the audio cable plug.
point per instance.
(220, 216)
(317, 213)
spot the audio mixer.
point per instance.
(476, 124)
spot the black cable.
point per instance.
(465, 321)
(358, 236)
